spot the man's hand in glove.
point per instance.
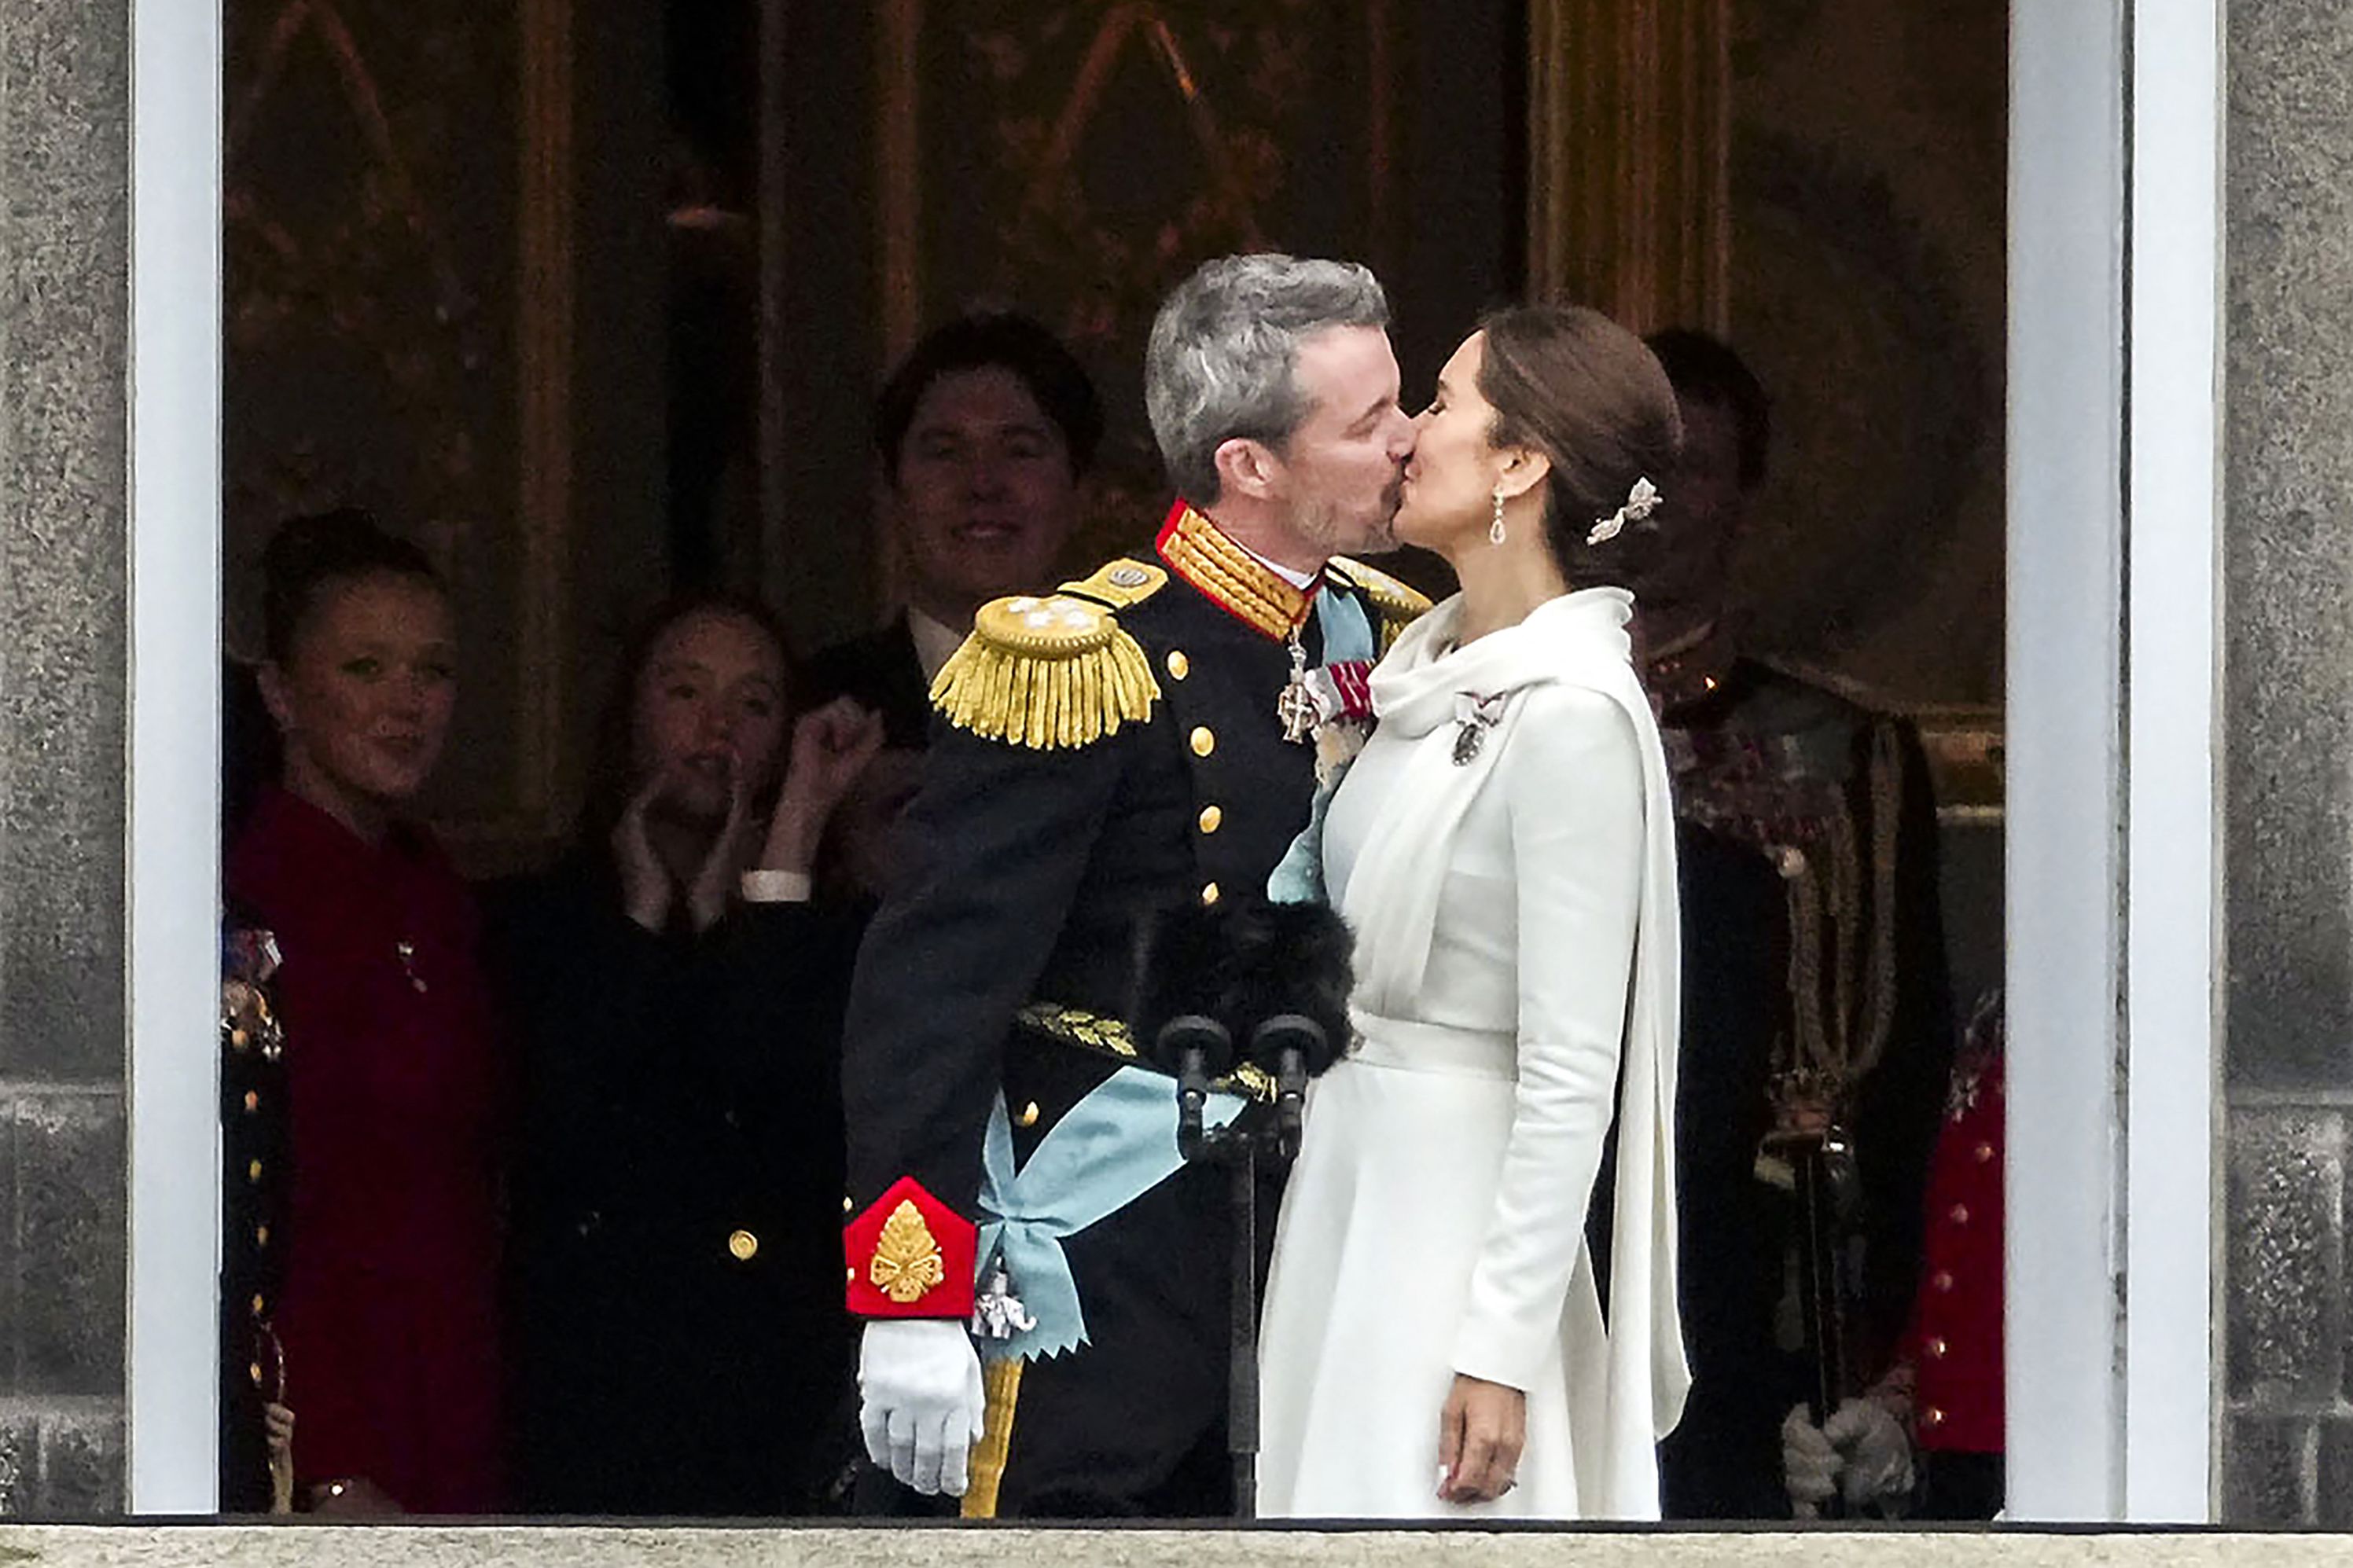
(1810, 1464)
(1861, 1453)
(1878, 1454)
(920, 1401)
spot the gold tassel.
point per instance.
(1046, 674)
(1002, 1381)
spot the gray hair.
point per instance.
(1225, 348)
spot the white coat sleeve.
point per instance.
(1572, 779)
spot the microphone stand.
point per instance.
(1287, 1039)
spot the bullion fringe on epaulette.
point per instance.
(1047, 702)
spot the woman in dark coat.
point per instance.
(681, 1344)
(389, 1248)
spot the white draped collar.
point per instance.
(1416, 687)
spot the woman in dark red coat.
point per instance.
(388, 1311)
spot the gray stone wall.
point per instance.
(2287, 1423)
(64, 313)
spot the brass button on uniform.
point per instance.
(744, 1245)
(253, 1170)
(260, 1235)
(1943, 1280)
(257, 1303)
(1209, 895)
(1180, 667)
(1212, 819)
(1931, 1416)
(1936, 1349)
(1029, 1114)
(847, 1207)
(1984, 1154)
(253, 1371)
(252, 1102)
(1204, 742)
(1960, 1214)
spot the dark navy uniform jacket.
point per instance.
(1028, 876)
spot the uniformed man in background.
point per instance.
(1818, 1020)
(1107, 752)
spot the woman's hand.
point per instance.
(646, 889)
(714, 881)
(1480, 1435)
(831, 747)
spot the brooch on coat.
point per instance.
(1473, 715)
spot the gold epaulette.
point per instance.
(1396, 604)
(1050, 674)
(1121, 584)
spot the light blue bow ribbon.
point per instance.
(1109, 1150)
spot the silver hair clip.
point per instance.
(1640, 502)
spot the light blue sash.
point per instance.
(1112, 1148)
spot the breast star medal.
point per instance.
(1296, 706)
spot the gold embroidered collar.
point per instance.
(1233, 579)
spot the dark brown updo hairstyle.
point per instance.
(309, 556)
(1575, 385)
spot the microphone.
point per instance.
(1292, 1048)
(1196, 1050)
(1275, 975)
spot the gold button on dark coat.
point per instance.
(1029, 1114)
(1180, 667)
(1212, 819)
(1204, 742)
(1209, 895)
(743, 1245)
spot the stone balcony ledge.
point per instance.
(306, 1544)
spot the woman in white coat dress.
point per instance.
(1434, 1342)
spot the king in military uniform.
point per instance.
(1043, 1280)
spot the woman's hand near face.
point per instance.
(831, 747)
(1480, 1435)
(645, 882)
(715, 882)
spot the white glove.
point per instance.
(920, 1400)
(1810, 1463)
(1878, 1452)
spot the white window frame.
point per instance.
(173, 897)
(2111, 896)
(2111, 1084)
